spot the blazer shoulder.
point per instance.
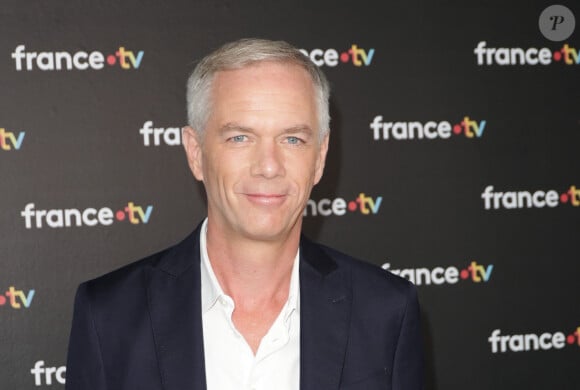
(173, 260)
(370, 277)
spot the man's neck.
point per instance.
(252, 272)
(256, 275)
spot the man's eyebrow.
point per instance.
(232, 126)
(299, 129)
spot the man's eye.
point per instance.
(238, 138)
(293, 140)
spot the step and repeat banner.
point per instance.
(454, 162)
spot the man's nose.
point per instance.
(268, 159)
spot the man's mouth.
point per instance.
(266, 199)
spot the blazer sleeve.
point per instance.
(84, 362)
(408, 365)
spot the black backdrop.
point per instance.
(496, 267)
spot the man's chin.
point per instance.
(265, 235)
(268, 231)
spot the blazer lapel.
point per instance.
(174, 296)
(325, 307)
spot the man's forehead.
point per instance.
(263, 78)
(280, 94)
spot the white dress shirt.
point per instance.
(229, 361)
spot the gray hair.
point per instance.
(242, 53)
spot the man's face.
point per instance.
(260, 154)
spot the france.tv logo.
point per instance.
(473, 272)
(529, 199)
(429, 130)
(10, 140)
(156, 136)
(354, 55)
(59, 218)
(503, 343)
(325, 207)
(80, 60)
(16, 299)
(511, 56)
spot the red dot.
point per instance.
(457, 129)
(2, 300)
(564, 198)
(557, 56)
(352, 205)
(120, 215)
(111, 59)
(570, 339)
(464, 274)
(344, 57)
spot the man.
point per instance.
(245, 302)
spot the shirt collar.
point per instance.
(211, 290)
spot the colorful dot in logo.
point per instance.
(344, 57)
(457, 129)
(2, 300)
(564, 198)
(352, 206)
(120, 215)
(557, 56)
(111, 60)
(464, 274)
(570, 339)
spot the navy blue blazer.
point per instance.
(140, 327)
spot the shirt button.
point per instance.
(223, 301)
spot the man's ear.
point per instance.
(321, 158)
(193, 151)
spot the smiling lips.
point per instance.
(266, 199)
